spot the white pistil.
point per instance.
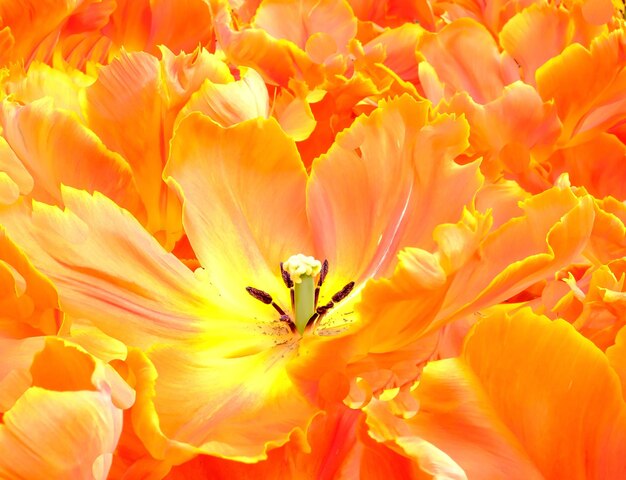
(302, 270)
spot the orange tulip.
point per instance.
(527, 398)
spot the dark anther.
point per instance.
(323, 273)
(324, 308)
(343, 293)
(260, 295)
(286, 278)
(265, 298)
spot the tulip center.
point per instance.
(302, 269)
(299, 273)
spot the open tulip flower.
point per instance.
(312, 239)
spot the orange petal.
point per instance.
(385, 184)
(108, 269)
(472, 269)
(126, 109)
(76, 435)
(254, 184)
(340, 448)
(399, 45)
(595, 75)
(233, 102)
(28, 302)
(180, 25)
(546, 23)
(196, 400)
(307, 17)
(277, 60)
(65, 86)
(466, 58)
(34, 30)
(580, 162)
(504, 408)
(57, 150)
(617, 357)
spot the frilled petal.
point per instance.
(126, 109)
(307, 18)
(244, 205)
(472, 269)
(464, 57)
(232, 102)
(339, 448)
(57, 149)
(197, 400)
(510, 408)
(587, 85)
(66, 419)
(277, 60)
(541, 32)
(385, 184)
(108, 269)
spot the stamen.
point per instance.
(323, 273)
(260, 295)
(266, 298)
(324, 308)
(343, 293)
(279, 310)
(285, 275)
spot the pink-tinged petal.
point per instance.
(76, 433)
(277, 60)
(518, 37)
(57, 149)
(399, 45)
(195, 399)
(518, 120)
(562, 416)
(108, 269)
(65, 420)
(126, 109)
(608, 238)
(385, 184)
(307, 17)
(15, 361)
(249, 198)
(465, 57)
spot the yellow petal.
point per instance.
(248, 199)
